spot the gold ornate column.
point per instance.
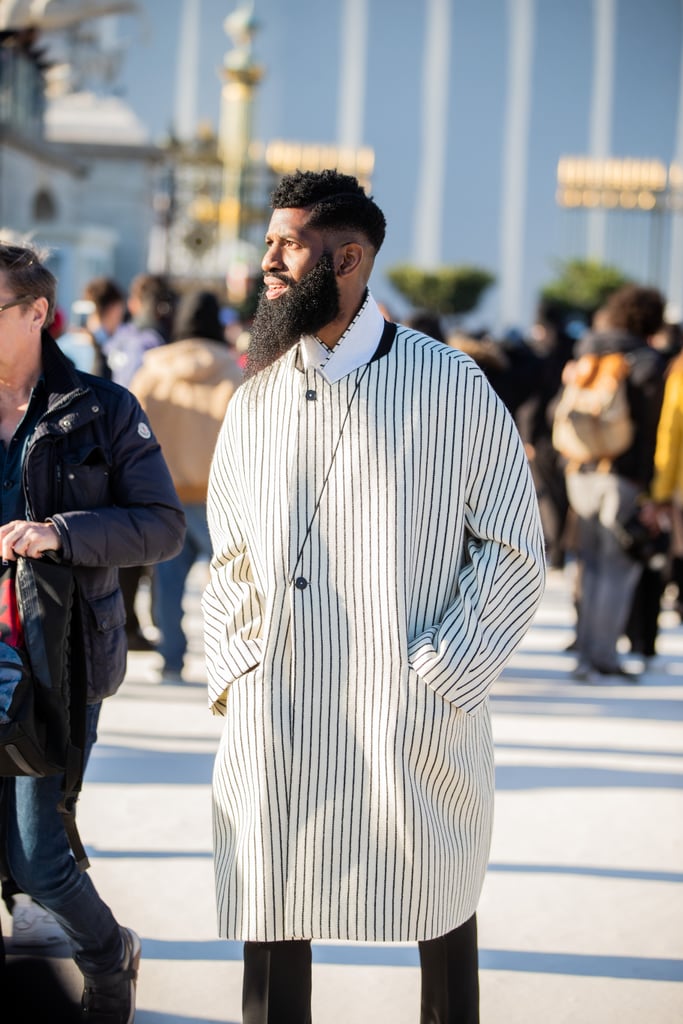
(241, 75)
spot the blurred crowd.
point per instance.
(616, 521)
(181, 354)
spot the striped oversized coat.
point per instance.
(377, 558)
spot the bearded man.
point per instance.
(377, 557)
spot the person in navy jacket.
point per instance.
(83, 482)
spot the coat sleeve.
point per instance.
(502, 573)
(668, 478)
(231, 603)
(143, 521)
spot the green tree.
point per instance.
(448, 291)
(582, 286)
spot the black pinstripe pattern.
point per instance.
(353, 787)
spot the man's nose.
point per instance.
(272, 259)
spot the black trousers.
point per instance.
(277, 980)
(642, 628)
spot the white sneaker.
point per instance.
(32, 925)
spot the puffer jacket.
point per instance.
(94, 469)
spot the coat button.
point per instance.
(300, 583)
(311, 395)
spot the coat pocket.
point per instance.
(85, 475)
(105, 643)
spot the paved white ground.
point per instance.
(581, 918)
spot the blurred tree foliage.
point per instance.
(582, 286)
(448, 291)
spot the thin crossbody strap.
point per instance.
(385, 343)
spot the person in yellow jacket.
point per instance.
(184, 387)
(667, 483)
(664, 512)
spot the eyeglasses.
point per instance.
(16, 302)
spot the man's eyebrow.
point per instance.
(289, 236)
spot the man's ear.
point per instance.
(40, 308)
(349, 258)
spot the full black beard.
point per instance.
(305, 308)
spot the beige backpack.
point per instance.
(592, 421)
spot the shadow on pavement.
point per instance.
(558, 777)
(587, 871)
(607, 706)
(548, 748)
(359, 955)
(126, 764)
(586, 965)
(93, 851)
(150, 1017)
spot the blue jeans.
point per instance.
(169, 586)
(41, 863)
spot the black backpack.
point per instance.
(42, 686)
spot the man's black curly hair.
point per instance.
(337, 201)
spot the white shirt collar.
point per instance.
(355, 348)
